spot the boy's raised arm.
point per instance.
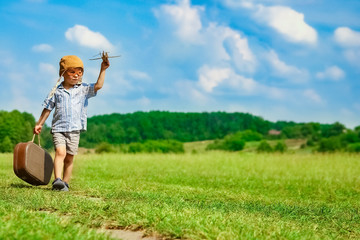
(44, 115)
(100, 82)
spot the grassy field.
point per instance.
(208, 195)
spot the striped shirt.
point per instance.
(70, 107)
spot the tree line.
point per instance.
(134, 127)
(15, 127)
(155, 125)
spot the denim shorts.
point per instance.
(68, 139)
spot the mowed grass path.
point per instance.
(213, 195)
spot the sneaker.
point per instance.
(65, 188)
(58, 184)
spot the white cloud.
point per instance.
(283, 19)
(219, 42)
(36, 1)
(313, 96)
(353, 56)
(17, 78)
(227, 44)
(48, 68)
(331, 73)
(116, 84)
(350, 40)
(284, 70)
(232, 83)
(42, 48)
(87, 38)
(209, 78)
(242, 3)
(189, 91)
(347, 37)
(245, 85)
(236, 45)
(185, 18)
(274, 93)
(139, 75)
(7, 58)
(287, 22)
(251, 3)
(144, 101)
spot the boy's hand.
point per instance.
(105, 64)
(37, 129)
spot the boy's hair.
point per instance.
(70, 61)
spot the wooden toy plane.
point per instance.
(104, 56)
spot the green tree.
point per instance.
(332, 130)
(46, 138)
(350, 137)
(292, 132)
(16, 126)
(6, 145)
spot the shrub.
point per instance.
(280, 147)
(104, 148)
(331, 144)
(160, 146)
(135, 147)
(249, 135)
(354, 147)
(217, 144)
(230, 143)
(350, 137)
(310, 142)
(264, 146)
(234, 142)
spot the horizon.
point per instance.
(277, 59)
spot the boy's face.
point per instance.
(73, 75)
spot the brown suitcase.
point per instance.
(32, 163)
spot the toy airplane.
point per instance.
(104, 56)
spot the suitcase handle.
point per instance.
(34, 139)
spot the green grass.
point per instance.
(211, 195)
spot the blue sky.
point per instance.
(279, 59)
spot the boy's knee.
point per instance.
(60, 151)
(69, 158)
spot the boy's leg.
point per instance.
(60, 154)
(72, 144)
(68, 166)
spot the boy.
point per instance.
(70, 100)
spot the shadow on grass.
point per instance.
(21, 185)
(24, 185)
